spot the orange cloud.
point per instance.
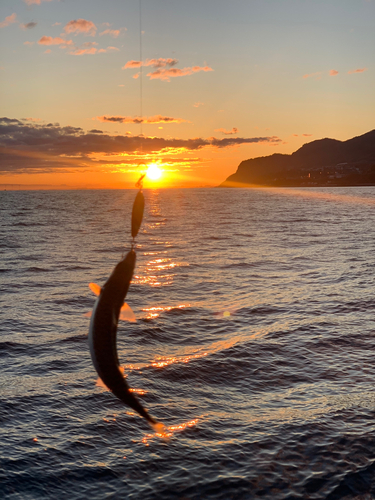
(48, 40)
(80, 26)
(155, 63)
(81, 52)
(138, 120)
(307, 135)
(333, 72)
(28, 43)
(112, 33)
(167, 74)
(8, 20)
(227, 132)
(108, 49)
(311, 75)
(52, 146)
(357, 71)
(197, 104)
(36, 2)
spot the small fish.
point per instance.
(103, 331)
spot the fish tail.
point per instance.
(158, 427)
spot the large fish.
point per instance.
(103, 328)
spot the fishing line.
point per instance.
(141, 64)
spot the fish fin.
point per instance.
(126, 314)
(100, 383)
(95, 288)
(88, 314)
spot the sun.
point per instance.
(153, 172)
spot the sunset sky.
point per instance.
(222, 81)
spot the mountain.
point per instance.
(325, 162)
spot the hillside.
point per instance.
(325, 162)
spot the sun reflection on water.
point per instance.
(154, 312)
(168, 431)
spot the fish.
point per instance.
(103, 335)
(126, 313)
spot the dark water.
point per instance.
(255, 345)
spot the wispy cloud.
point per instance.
(333, 72)
(138, 120)
(48, 40)
(88, 48)
(227, 132)
(62, 147)
(35, 2)
(361, 70)
(28, 43)
(80, 26)
(113, 33)
(155, 63)
(164, 68)
(81, 52)
(167, 74)
(307, 135)
(316, 75)
(28, 26)
(198, 104)
(8, 20)
(31, 119)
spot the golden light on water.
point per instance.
(167, 432)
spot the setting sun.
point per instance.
(154, 172)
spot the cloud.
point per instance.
(8, 20)
(167, 74)
(312, 75)
(31, 147)
(138, 120)
(307, 135)
(28, 43)
(333, 72)
(48, 40)
(28, 26)
(35, 2)
(113, 33)
(80, 26)
(361, 70)
(227, 132)
(81, 52)
(108, 49)
(197, 104)
(164, 68)
(155, 63)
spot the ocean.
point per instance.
(254, 344)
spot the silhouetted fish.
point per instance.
(102, 335)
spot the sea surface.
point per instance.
(254, 344)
